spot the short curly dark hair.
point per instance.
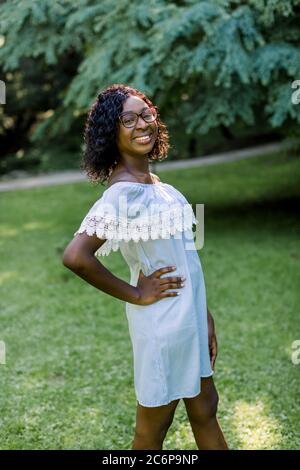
(101, 154)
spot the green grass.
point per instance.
(68, 378)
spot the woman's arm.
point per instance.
(79, 257)
(212, 339)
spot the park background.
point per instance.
(222, 75)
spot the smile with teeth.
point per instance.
(145, 139)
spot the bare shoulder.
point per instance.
(155, 177)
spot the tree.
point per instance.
(206, 64)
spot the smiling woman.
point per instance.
(138, 131)
(173, 340)
(121, 119)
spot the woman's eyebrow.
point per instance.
(130, 110)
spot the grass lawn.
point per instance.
(68, 378)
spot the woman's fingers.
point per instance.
(168, 294)
(175, 279)
(161, 271)
(171, 285)
(213, 350)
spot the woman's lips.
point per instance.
(143, 140)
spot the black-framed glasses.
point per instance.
(129, 118)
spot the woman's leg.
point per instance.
(152, 424)
(202, 411)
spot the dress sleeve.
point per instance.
(126, 212)
(107, 218)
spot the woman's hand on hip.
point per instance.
(153, 287)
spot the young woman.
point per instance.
(173, 338)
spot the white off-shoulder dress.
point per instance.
(152, 224)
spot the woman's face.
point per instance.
(127, 138)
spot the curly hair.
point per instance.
(101, 153)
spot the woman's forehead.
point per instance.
(134, 103)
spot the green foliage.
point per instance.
(220, 61)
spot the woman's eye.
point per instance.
(129, 119)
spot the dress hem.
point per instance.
(177, 396)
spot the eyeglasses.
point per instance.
(129, 118)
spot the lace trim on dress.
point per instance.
(115, 229)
